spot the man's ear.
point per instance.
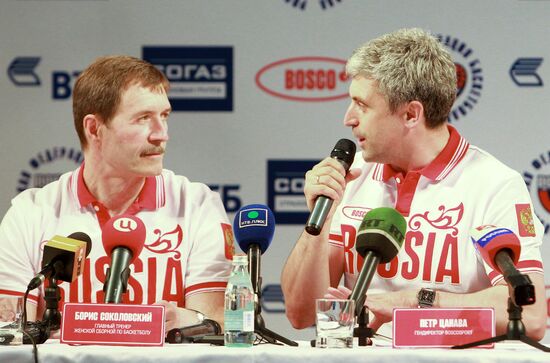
(413, 114)
(92, 125)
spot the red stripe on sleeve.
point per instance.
(218, 285)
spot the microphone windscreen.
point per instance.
(81, 236)
(382, 231)
(124, 231)
(254, 224)
(344, 150)
(489, 240)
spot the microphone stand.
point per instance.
(524, 294)
(259, 323)
(52, 316)
(362, 332)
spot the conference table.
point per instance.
(53, 352)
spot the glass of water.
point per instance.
(11, 309)
(335, 321)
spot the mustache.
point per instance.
(154, 150)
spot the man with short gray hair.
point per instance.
(403, 85)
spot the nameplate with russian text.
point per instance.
(442, 327)
(113, 324)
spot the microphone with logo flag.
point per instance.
(63, 258)
(344, 152)
(379, 239)
(500, 248)
(254, 226)
(123, 239)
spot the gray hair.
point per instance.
(408, 65)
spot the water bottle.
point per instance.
(239, 306)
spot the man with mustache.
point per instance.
(121, 110)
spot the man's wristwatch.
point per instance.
(426, 298)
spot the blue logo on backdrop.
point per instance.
(21, 71)
(302, 4)
(524, 72)
(285, 190)
(201, 78)
(229, 194)
(273, 300)
(47, 166)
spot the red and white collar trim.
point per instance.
(440, 167)
(152, 195)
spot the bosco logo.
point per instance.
(469, 77)
(357, 213)
(307, 79)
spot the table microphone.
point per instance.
(379, 239)
(123, 239)
(63, 258)
(194, 333)
(500, 248)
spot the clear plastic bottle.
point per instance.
(239, 306)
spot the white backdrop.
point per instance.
(234, 61)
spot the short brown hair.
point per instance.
(409, 65)
(98, 89)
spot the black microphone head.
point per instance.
(382, 232)
(344, 152)
(81, 236)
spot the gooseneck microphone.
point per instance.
(63, 258)
(254, 226)
(344, 152)
(500, 248)
(378, 240)
(123, 239)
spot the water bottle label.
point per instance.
(248, 320)
(239, 320)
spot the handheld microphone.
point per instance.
(344, 152)
(378, 240)
(123, 239)
(500, 248)
(63, 258)
(254, 226)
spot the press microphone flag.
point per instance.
(378, 240)
(254, 226)
(344, 152)
(123, 239)
(63, 258)
(500, 248)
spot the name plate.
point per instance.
(113, 324)
(443, 328)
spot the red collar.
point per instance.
(151, 196)
(440, 167)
